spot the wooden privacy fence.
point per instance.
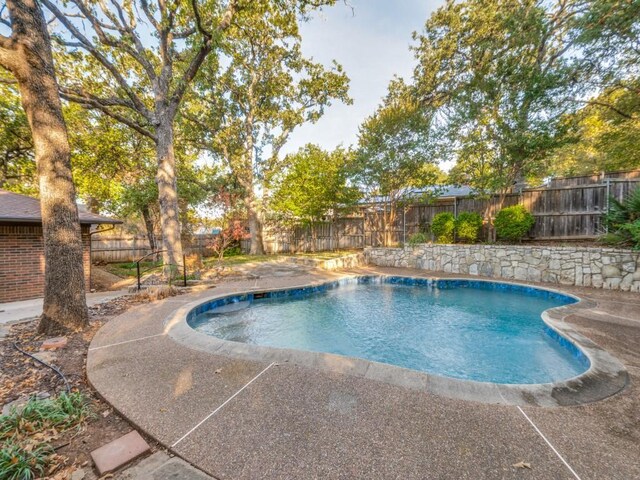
(569, 209)
(129, 248)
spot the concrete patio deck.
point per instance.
(246, 419)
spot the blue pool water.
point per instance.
(484, 334)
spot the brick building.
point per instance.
(22, 246)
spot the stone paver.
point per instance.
(54, 343)
(298, 422)
(119, 452)
(161, 466)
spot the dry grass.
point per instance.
(154, 293)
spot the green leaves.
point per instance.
(602, 136)
(314, 185)
(396, 146)
(443, 227)
(623, 221)
(497, 74)
(513, 223)
(468, 227)
(17, 165)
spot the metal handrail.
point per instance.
(139, 272)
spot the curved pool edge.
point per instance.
(605, 376)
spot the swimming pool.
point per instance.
(472, 330)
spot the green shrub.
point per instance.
(23, 462)
(513, 223)
(468, 226)
(24, 455)
(233, 251)
(443, 226)
(61, 412)
(623, 221)
(417, 239)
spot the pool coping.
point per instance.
(605, 376)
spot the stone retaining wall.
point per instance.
(607, 268)
(351, 260)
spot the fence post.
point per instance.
(138, 274)
(404, 225)
(606, 225)
(184, 269)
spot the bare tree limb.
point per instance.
(8, 55)
(149, 14)
(87, 45)
(605, 105)
(205, 48)
(89, 103)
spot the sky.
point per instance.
(370, 39)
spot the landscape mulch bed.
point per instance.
(21, 376)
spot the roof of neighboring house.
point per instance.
(437, 191)
(18, 208)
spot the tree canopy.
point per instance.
(499, 75)
(17, 162)
(264, 89)
(315, 185)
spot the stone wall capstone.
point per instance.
(608, 268)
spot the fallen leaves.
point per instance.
(522, 464)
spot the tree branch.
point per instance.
(107, 102)
(605, 105)
(150, 17)
(8, 54)
(91, 103)
(205, 48)
(87, 45)
(137, 54)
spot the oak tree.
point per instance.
(26, 54)
(264, 89)
(143, 57)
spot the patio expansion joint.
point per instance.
(126, 341)
(573, 472)
(221, 406)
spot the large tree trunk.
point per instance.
(168, 195)
(255, 228)
(148, 226)
(31, 63)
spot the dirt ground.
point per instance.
(21, 376)
(104, 281)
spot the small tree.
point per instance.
(314, 187)
(395, 155)
(232, 232)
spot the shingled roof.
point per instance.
(16, 208)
